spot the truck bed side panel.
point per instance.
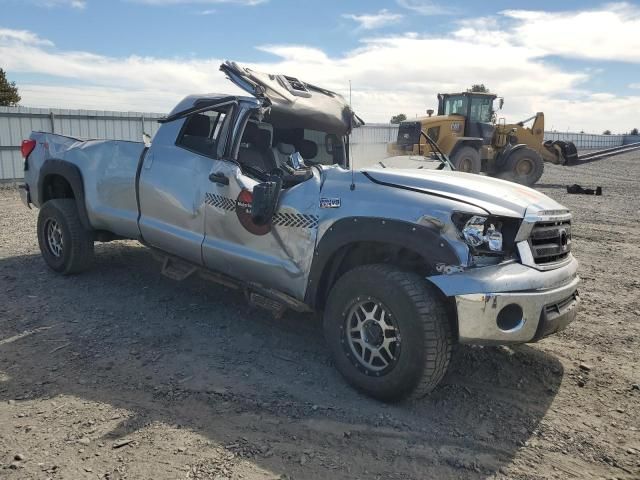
(108, 169)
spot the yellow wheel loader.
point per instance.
(465, 129)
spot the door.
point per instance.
(277, 255)
(174, 181)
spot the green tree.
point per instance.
(401, 117)
(607, 132)
(8, 91)
(634, 131)
(479, 88)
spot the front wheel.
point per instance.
(388, 332)
(66, 246)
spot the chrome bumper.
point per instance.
(511, 303)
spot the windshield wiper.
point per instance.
(442, 157)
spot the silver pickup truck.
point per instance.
(256, 192)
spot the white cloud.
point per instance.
(369, 21)
(386, 77)
(610, 32)
(425, 7)
(23, 37)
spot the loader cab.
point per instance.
(477, 110)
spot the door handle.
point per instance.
(219, 178)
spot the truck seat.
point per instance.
(255, 149)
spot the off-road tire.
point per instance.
(514, 170)
(467, 159)
(76, 251)
(425, 331)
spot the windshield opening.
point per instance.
(455, 105)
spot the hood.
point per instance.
(294, 103)
(496, 197)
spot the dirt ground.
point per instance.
(122, 373)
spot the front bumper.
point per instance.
(511, 303)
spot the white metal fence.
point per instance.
(368, 143)
(16, 123)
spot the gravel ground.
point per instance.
(122, 373)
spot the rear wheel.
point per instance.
(388, 332)
(524, 166)
(66, 246)
(467, 159)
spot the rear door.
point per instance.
(174, 181)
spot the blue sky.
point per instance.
(579, 61)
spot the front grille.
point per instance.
(409, 133)
(550, 241)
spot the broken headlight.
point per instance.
(478, 232)
(487, 235)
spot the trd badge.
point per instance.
(330, 203)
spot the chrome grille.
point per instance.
(550, 241)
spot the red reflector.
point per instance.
(27, 147)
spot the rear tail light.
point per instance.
(26, 148)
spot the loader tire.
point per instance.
(388, 332)
(467, 159)
(524, 166)
(66, 246)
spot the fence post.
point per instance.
(53, 121)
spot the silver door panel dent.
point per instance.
(279, 259)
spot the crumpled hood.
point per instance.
(497, 197)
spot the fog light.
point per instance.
(510, 317)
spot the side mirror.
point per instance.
(265, 200)
(500, 103)
(430, 112)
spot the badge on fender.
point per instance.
(330, 203)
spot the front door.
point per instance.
(277, 255)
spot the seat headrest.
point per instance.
(198, 125)
(308, 149)
(263, 139)
(285, 148)
(250, 133)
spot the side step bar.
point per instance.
(257, 295)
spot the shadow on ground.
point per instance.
(193, 354)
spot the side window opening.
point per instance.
(203, 131)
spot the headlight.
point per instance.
(477, 231)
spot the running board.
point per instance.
(273, 300)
